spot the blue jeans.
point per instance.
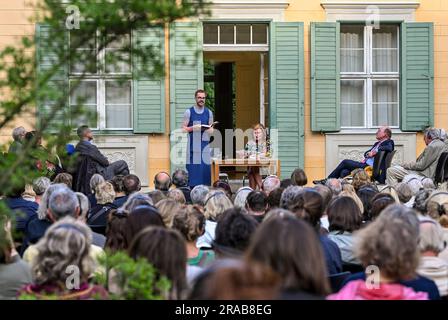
(345, 167)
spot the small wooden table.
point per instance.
(217, 163)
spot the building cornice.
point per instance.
(250, 4)
(329, 4)
(269, 10)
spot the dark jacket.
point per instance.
(85, 169)
(24, 211)
(332, 255)
(85, 148)
(387, 146)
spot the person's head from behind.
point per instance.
(299, 178)
(366, 194)
(233, 233)
(95, 180)
(431, 241)
(135, 200)
(391, 190)
(180, 178)
(344, 215)
(84, 133)
(190, 222)
(104, 193)
(420, 201)
(285, 183)
(270, 183)
(84, 205)
(156, 196)
(256, 202)
(42, 211)
(141, 217)
(404, 192)
(131, 184)
(198, 194)
(291, 247)
(391, 243)
(18, 134)
(177, 195)
(40, 185)
(167, 210)
(274, 198)
(162, 181)
(165, 249)
(224, 186)
(215, 204)
(360, 178)
(241, 196)
(378, 203)
(308, 205)
(414, 183)
(62, 202)
(437, 207)
(326, 194)
(115, 230)
(66, 243)
(288, 196)
(334, 185)
(117, 183)
(428, 183)
(65, 178)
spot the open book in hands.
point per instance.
(207, 126)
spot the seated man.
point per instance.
(384, 143)
(180, 181)
(103, 167)
(18, 134)
(426, 163)
(162, 182)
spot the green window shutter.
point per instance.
(53, 94)
(325, 76)
(149, 93)
(186, 76)
(287, 94)
(417, 76)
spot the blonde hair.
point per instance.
(391, 190)
(167, 209)
(216, 202)
(437, 207)
(360, 178)
(177, 195)
(104, 193)
(352, 194)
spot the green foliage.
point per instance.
(128, 279)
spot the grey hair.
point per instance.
(136, 199)
(406, 215)
(198, 194)
(270, 183)
(420, 200)
(432, 133)
(180, 178)
(215, 204)
(288, 196)
(404, 192)
(431, 236)
(442, 134)
(428, 183)
(84, 205)
(63, 202)
(278, 213)
(241, 196)
(66, 243)
(95, 181)
(43, 205)
(17, 133)
(335, 186)
(40, 185)
(414, 182)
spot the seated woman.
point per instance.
(256, 148)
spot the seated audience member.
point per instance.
(274, 198)
(157, 196)
(298, 177)
(47, 163)
(391, 190)
(28, 194)
(138, 219)
(360, 178)
(23, 210)
(349, 191)
(120, 195)
(18, 134)
(256, 205)
(426, 163)
(198, 194)
(67, 243)
(85, 147)
(390, 243)
(177, 195)
(135, 200)
(345, 218)
(94, 182)
(65, 178)
(115, 234)
(288, 195)
(270, 183)
(131, 184)
(167, 210)
(291, 248)
(437, 209)
(420, 201)
(366, 194)
(14, 272)
(180, 181)
(285, 183)
(215, 204)
(165, 249)
(233, 233)
(326, 194)
(224, 186)
(384, 143)
(97, 217)
(308, 205)
(404, 192)
(84, 207)
(162, 182)
(190, 222)
(39, 186)
(241, 196)
(335, 186)
(414, 182)
(431, 243)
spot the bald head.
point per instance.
(162, 181)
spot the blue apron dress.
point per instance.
(198, 150)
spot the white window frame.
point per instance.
(369, 76)
(101, 77)
(235, 46)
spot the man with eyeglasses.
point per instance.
(198, 123)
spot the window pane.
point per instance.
(385, 49)
(352, 103)
(84, 97)
(385, 37)
(226, 34)
(243, 33)
(79, 40)
(83, 61)
(210, 34)
(385, 102)
(352, 48)
(118, 104)
(118, 116)
(121, 41)
(117, 62)
(259, 34)
(84, 93)
(118, 93)
(88, 116)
